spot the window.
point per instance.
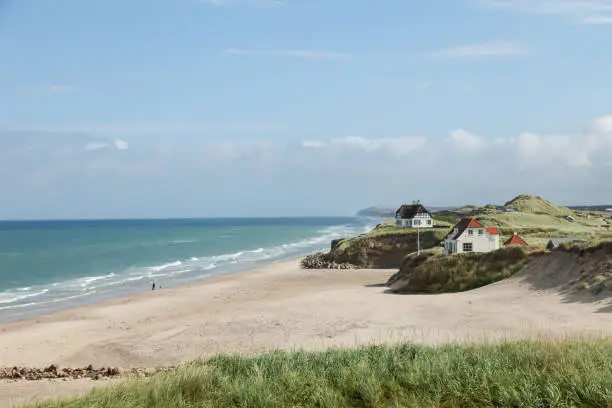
(467, 247)
(428, 222)
(480, 232)
(470, 232)
(416, 222)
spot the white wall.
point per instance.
(409, 223)
(480, 243)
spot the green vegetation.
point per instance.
(517, 374)
(431, 273)
(538, 220)
(537, 205)
(445, 218)
(385, 246)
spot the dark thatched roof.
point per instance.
(410, 211)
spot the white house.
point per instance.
(413, 216)
(469, 235)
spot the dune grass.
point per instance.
(432, 273)
(515, 374)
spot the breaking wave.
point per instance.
(21, 302)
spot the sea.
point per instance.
(51, 265)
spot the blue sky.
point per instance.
(166, 108)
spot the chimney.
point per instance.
(515, 233)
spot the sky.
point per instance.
(215, 108)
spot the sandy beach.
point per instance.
(278, 306)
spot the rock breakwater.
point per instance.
(54, 372)
(321, 260)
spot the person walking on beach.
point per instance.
(153, 288)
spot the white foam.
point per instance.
(12, 297)
(166, 266)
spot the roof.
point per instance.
(466, 223)
(558, 241)
(409, 211)
(515, 240)
(492, 230)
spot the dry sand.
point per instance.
(279, 306)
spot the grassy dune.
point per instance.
(518, 374)
(538, 220)
(435, 273)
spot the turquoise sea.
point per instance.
(50, 265)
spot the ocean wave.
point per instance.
(165, 266)
(166, 274)
(12, 297)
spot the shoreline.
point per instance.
(66, 304)
(130, 296)
(25, 298)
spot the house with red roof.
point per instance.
(516, 240)
(470, 235)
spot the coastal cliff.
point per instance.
(382, 248)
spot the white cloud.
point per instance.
(121, 144)
(95, 146)
(396, 147)
(545, 150)
(602, 125)
(295, 53)
(597, 20)
(313, 144)
(467, 141)
(489, 49)
(347, 171)
(583, 11)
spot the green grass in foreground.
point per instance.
(519, 374)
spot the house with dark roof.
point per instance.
(470, 235)
(516, 240)
(414, 215)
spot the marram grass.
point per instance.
(568, 373)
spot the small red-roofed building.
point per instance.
(469, 235)
(516, 240)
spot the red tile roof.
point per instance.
(516, 240)
(492, 230)
(466, 223)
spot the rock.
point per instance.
(51, 369)
(321, 260)
(66, 374)
(113, 371)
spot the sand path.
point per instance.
(278, 306)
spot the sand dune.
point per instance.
(281, 306)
